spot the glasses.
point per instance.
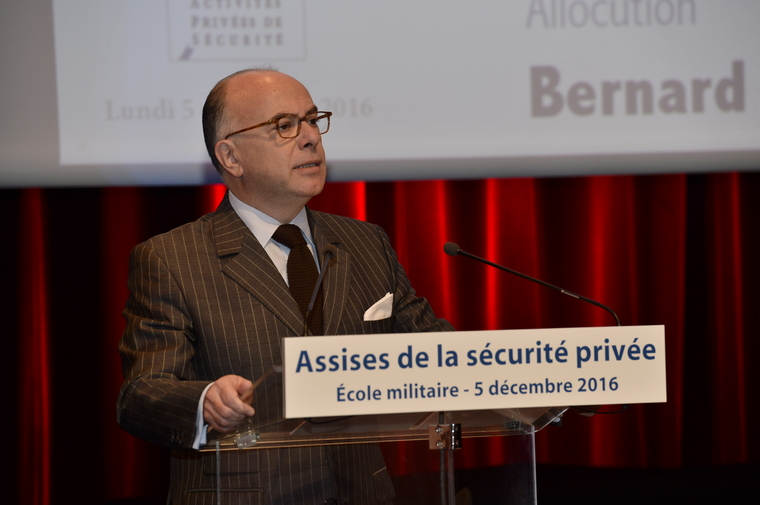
(288, 126)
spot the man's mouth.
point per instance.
(307, 165)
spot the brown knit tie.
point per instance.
(302, 273)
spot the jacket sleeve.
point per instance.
(158, 401)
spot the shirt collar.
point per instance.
(262, 225)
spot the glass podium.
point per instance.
(419, 447)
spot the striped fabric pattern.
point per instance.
(206, 301)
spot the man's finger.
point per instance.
(247, 397)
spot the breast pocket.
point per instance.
(379, 326)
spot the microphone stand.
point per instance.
(330, 251)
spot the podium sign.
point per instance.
(472, 370)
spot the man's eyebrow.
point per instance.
(281, 114)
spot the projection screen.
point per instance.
(109, 92)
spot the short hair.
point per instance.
(214, 116)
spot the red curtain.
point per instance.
(35, 374)
(676, 250)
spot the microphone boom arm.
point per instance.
(452, 249)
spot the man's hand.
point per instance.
(227, 402)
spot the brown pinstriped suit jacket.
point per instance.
(206, 301)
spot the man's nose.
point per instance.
(309, 136)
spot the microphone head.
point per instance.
(330, 248)
(451, 248)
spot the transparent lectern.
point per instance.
(423, 466)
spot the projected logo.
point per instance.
(203, 30)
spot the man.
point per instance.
(210, 301)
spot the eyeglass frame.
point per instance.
(320, 114)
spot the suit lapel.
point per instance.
(335, 282)
(249, 266)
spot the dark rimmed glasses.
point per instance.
(288, 126)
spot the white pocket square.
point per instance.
(382, 309)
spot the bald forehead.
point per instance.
(263, 93)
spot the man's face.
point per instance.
(273, 173)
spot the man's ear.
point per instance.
(225, 153)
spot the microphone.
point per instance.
(452, 249)
(330, 251)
